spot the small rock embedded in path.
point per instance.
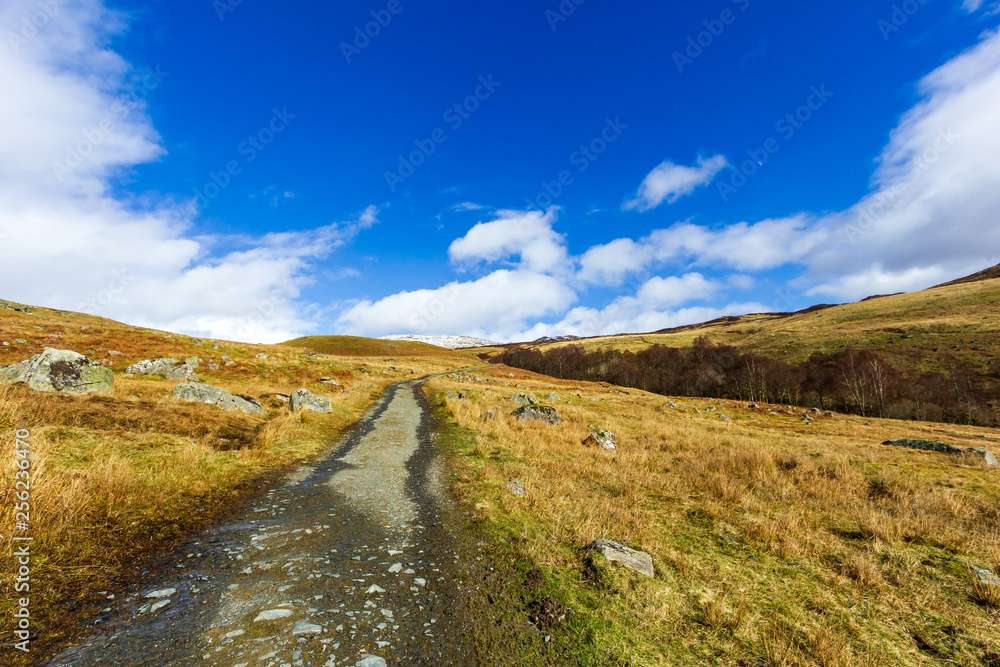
(303, 628)
(162, 593)
(273, 615)
(370, 661)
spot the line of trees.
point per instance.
(851, 381)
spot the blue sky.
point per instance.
(506, 170)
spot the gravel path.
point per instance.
(346, 562)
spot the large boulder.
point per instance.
(542, 413)
(639, 561)
(62, 371)
(303, 399)
(933, 445)
(203, 393)
(601, 438)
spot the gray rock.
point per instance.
(303, 399)
(262, 356)
(371, 661)
(639, 561)
(281, 397)
(524, 399)
(553, 398)
(329, 381)
(753, 406)
(162, 593)
(182, 373)
(933, 445)
(601, 438)
(452, 395)
(273, 615)
(213, 365)
(489, 415)
(725, 418)
(152, 367)
(193, 361)
(463, 395)
(542, 413)
(62, 371)
(516, 488)
(985, 576)
(710, 409)
(671, 404)
(203, 393)
(303, 628)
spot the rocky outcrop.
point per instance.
(303, 399)
(203, 393)
(933, 445)
(640, 561)
(601, 438)
(524, 399)
(542, 413)
(60, 371)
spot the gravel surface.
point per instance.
(346, 562)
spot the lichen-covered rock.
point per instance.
(524, 399)
(542, 413)
(62, 371)
(303, 399)
(639, 561)
(203, 393)
(182, 373)
(153, 366)
(933, 445)
(601, 438)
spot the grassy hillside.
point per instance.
(371, 347)
(915, 330)
(116, 475)
(775, 542)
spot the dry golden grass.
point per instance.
(775, 541)
(114, 476)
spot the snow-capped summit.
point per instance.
(450, 342)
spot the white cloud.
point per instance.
(494, 307)
(526, 234)
(972, 5)
(74, 119)
(659, 293)
(608, 264)
(669, 182)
